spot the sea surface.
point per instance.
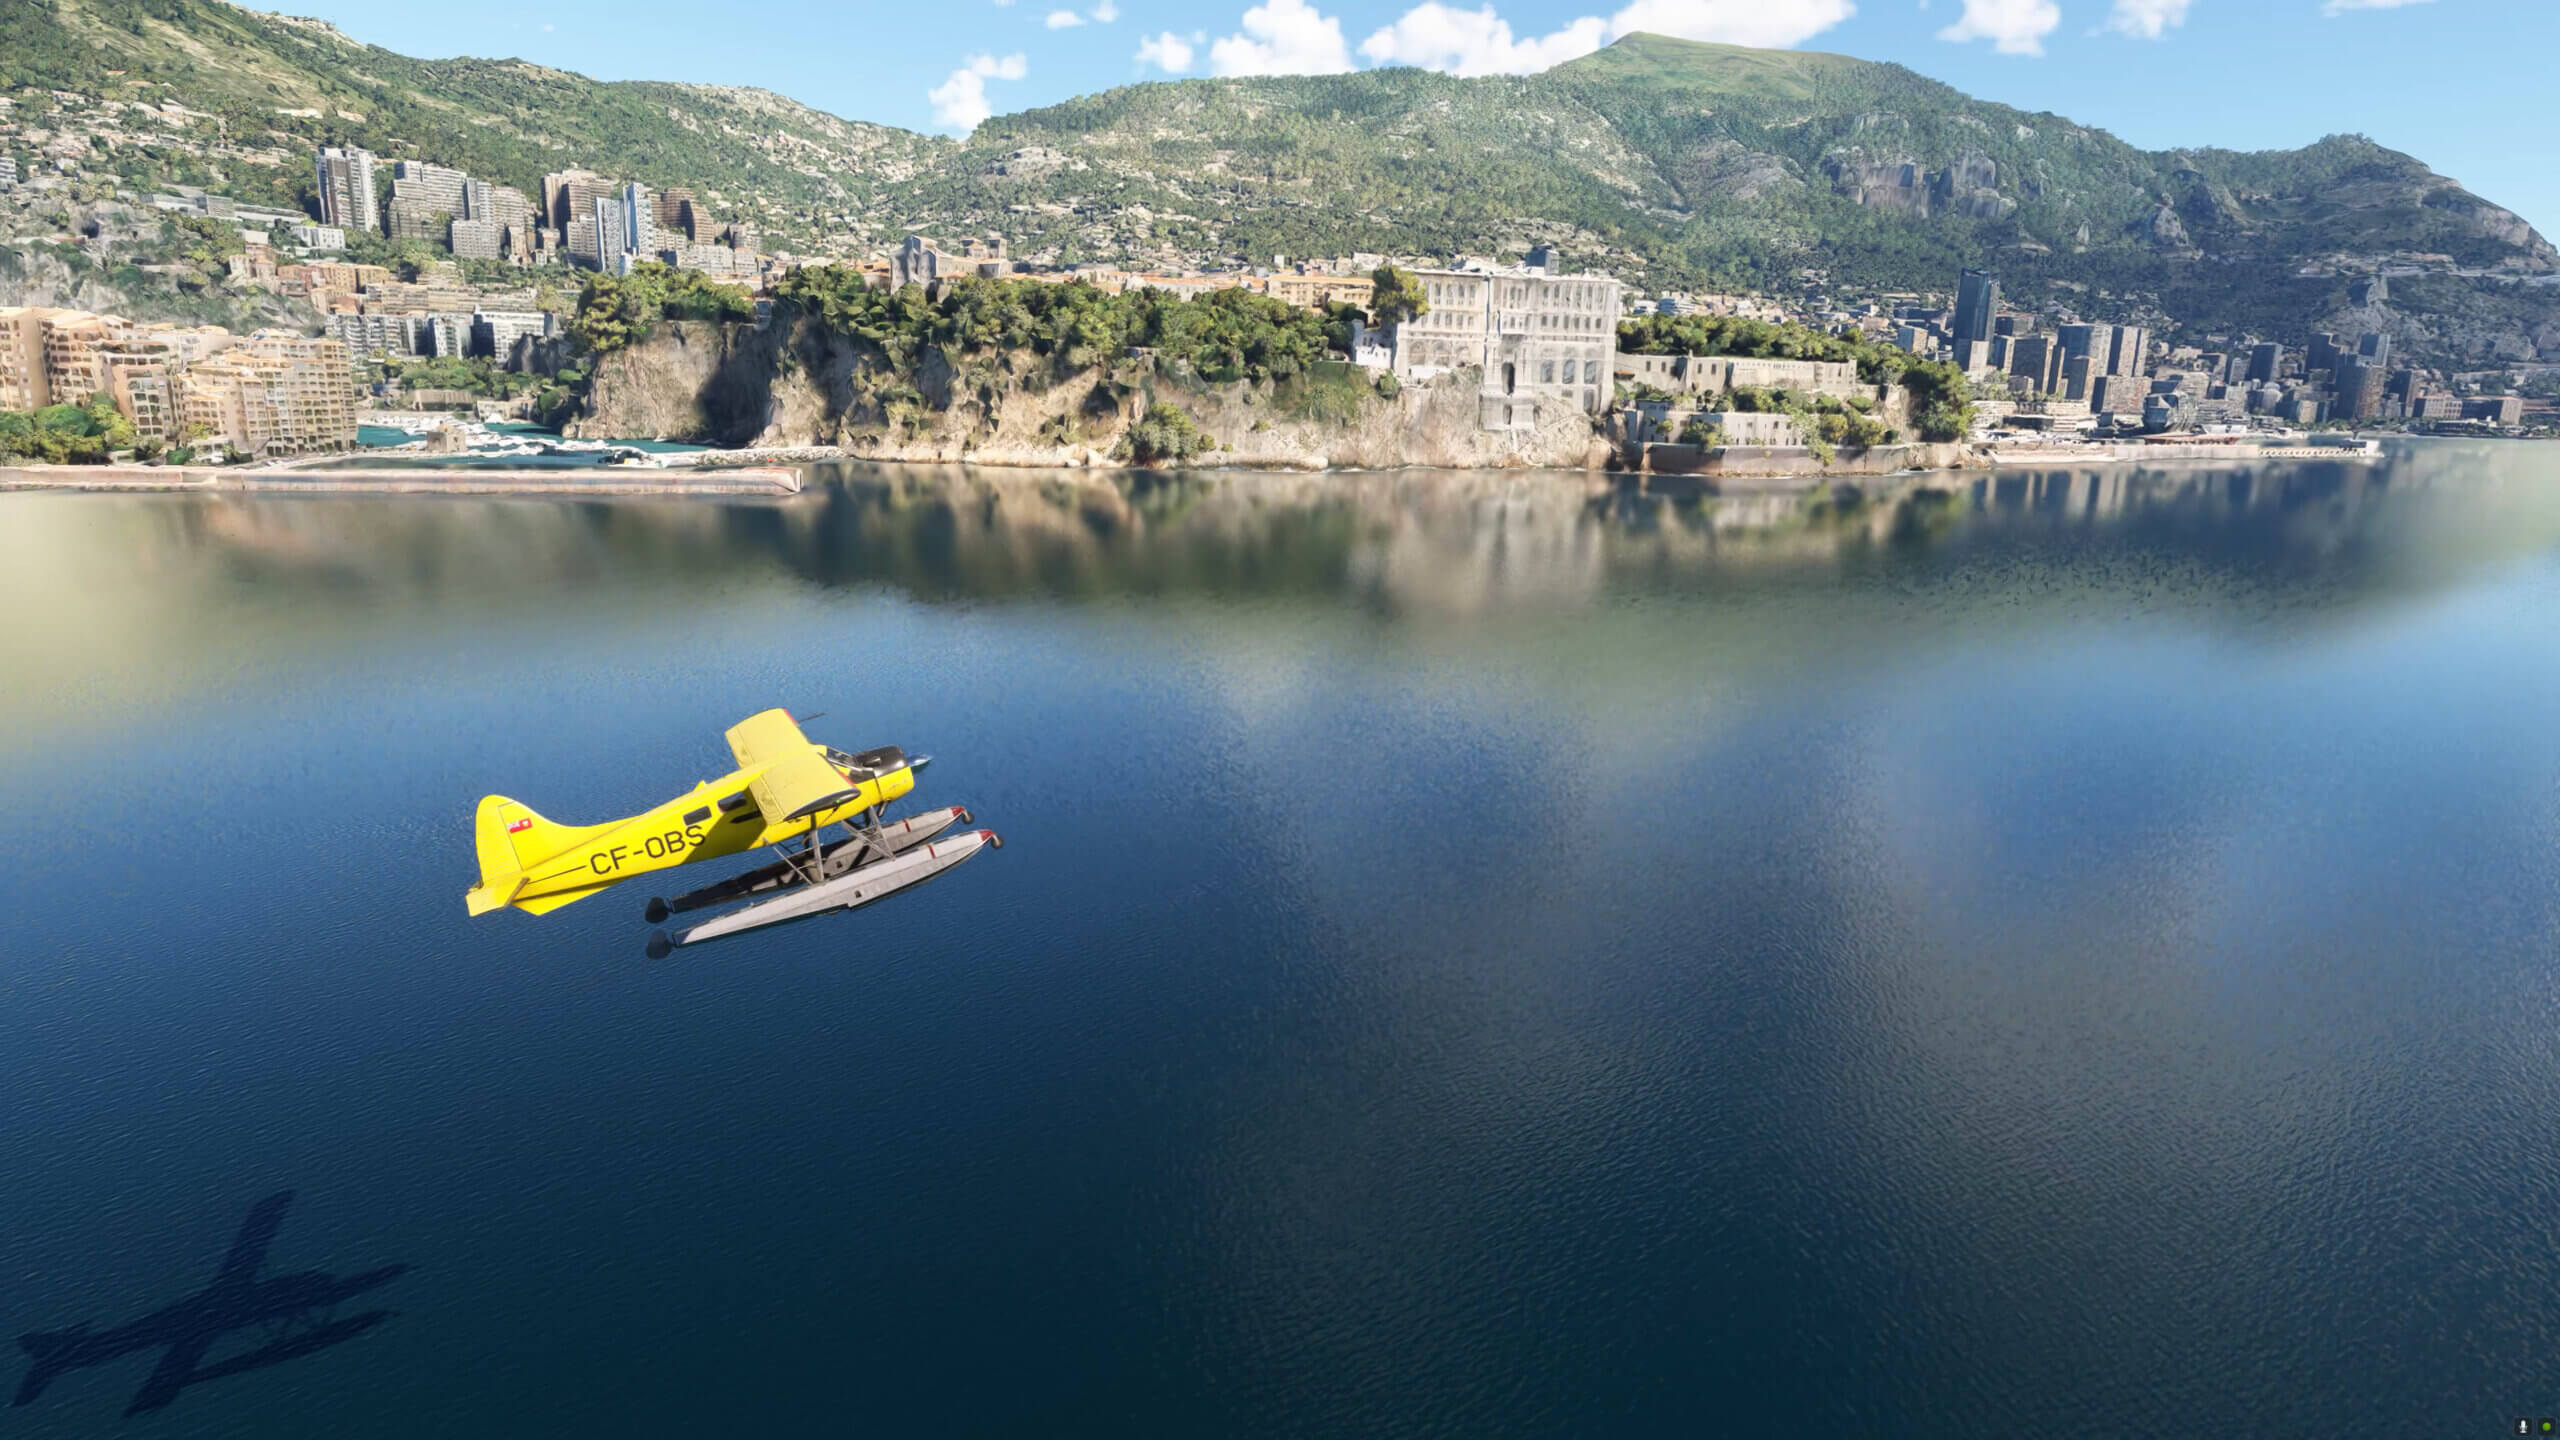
(1474, 955)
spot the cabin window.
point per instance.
(696, 817)
(732, 802)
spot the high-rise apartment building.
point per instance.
(143, 367)
(513, 213)
(2324, 354)
(612, 239)
(426, 199)
(75, 366)
(476, 239)
(275, 394)
(435, 186)
(2130, 351)
(2264, 362)
(1977, 301)
(2036, 359)
(2086, 352)
(639, 221)
(496, 333)
(381, 334)
(2359, 387)
(678, 214)
(345, 183)
(569, 196)
(22, 374)
(2118, 394)
(2078, 374)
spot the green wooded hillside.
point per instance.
(1673, 164)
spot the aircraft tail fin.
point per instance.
(510, 837)
(48, 1350)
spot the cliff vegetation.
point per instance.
(1022, 372)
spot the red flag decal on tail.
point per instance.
(515, 825)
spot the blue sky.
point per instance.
(2458, 83)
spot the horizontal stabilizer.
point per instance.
(511, 839)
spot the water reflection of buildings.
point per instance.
(2351, 487)
(2110, 491)
(112, 600)
(192, 569)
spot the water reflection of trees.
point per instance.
(1441, 542)
(104, 598)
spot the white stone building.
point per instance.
(1539, 340)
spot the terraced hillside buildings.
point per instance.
(581, 218)
(271, 393)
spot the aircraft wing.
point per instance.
(173, 1374)
(249, 1247)
(294, 1346)
(791, 780)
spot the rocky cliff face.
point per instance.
(803, 386)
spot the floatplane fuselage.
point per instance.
(785, 788)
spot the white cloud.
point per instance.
(1283, 37)
(1105, 13)
(2335, 7)
(1290, 37)
(2014, 27)
(1773, 24)
(1168, 52)
(960, 103)
(1063, 19)
(2145, 19)
(1477, 42)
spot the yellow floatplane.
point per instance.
(786, 787)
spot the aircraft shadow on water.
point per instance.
(295, 1314)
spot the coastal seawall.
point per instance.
(1738, 463)
(739, 480)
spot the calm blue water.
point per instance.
(1471, 958)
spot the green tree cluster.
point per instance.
(1398, 296)
(1223, 336)
(1701, 432)
(1167, 435)
(477, 374)
(67, 434)
(616, 310)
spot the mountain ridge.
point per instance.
(1675, 164)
